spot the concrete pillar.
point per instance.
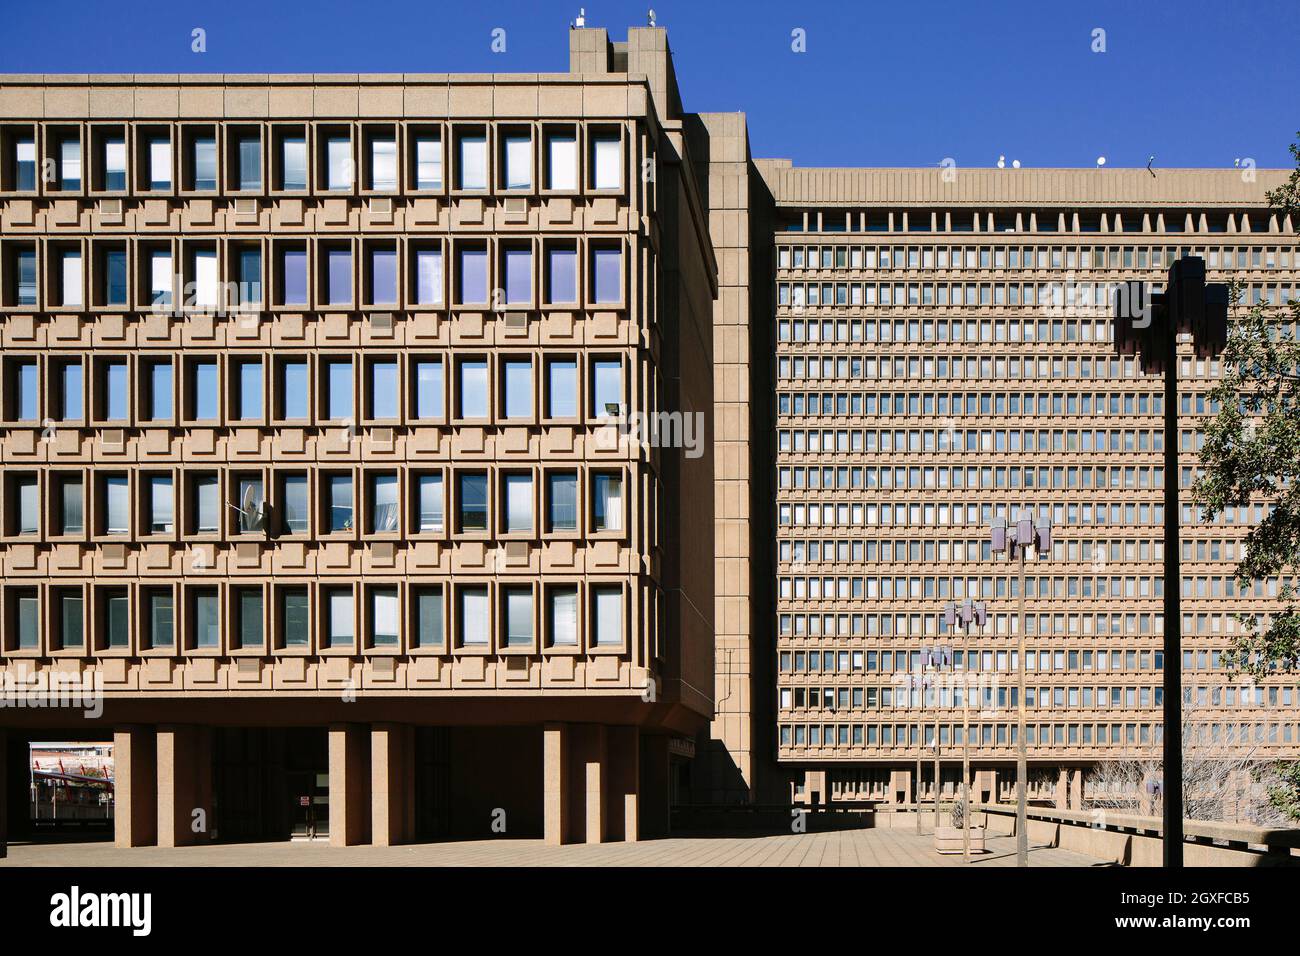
(655, 799)
(1062, 789)
(135, 782)
(555, 783)
(392, 783)
(184, 784)
(595, 762)
(349, 753)
(902, 786)
(1076, 788)
(623, 797)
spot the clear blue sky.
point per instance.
(906, 83)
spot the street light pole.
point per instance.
(965, 615)
(1147, 325)
(1021, 538)
(1022, 745)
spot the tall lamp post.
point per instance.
(964, 615)
(1147, 324)
(936, 659)
(1020, 538)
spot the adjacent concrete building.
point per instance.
(402, 457)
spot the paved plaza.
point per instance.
(839, 848)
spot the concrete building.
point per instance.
(357, 437)
(320, 444)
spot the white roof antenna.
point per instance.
(650, 17)
(582, 18)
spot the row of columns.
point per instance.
(592, 787)
(163, 785)
(372, 784)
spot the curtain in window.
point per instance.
(608, 502)
(428, 610)
(117, 504)
(609, 615)
(519, 503)
(25, 163)
(473, 162)
(71, 288)
(26, 277)
(29, 508)
(295, 163)
(339, 604)
(428, 277)
(160, 277)
(160, 164)
(70, 164)
(428, 163)
(115, 164)
(295, 617)
(562, 165)
(250, 277)
(519, 617)
(161, 504)
(608, 162)
(385, 503)
(207, 503)
(519, 162)
(205, 278)
(383, 164)
(383, 617)
(339, 153)
(564, 617)
(431, 503)
(206, 633)
(250, 163)
(205, 163)
(474, 616)
(73, 507)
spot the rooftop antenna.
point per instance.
(582, 19)
(1101, 161)
(1002, 162)
(1150, 160)
(650, 17)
